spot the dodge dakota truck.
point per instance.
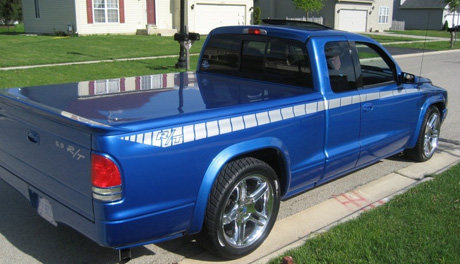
(271, 111)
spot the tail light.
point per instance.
(105, 178)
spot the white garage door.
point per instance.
(353, 20)
(208, 17)
(449, 20)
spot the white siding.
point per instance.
(135, 18)
(165, 12)
(374, 16)
(55, 15)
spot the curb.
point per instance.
(425, 53)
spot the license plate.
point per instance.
(45, 210)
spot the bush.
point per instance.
(446, 25)
(257, 20)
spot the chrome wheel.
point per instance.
(428, 137)
(431, 134)
(247, 211)
(242, 208)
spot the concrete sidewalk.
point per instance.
(294, 230)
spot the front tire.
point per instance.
(427, 141)
(242, 208)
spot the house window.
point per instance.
(37, 9)
(383, 14)
(106, 11)
(107, 87)
(151, 82)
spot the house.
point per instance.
(425, 14)
(349, 15)
(88, 17)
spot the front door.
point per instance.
(151, 19)
(389, 110)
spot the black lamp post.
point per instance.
(181, 63)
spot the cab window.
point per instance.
(376, 67)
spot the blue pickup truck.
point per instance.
(272, 111)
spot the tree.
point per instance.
(10, 11)
(256, 16)
(310, 5)
(453, 5)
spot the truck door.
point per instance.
(342, 106)
(389, 111)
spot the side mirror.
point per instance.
(408, 78)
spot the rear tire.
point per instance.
(242, 208)
(428, 137)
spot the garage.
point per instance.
(353, 20)
(210, 16)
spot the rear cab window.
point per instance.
(264, 58)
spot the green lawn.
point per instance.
(18, 49)
(419, 226)
(17, 29)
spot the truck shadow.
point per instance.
(23, 230)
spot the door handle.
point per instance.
(368, 107)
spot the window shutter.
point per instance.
(138, 83)
(122, 84)
(89, 11)
(121, 6)
(91, 88)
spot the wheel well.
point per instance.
(441, 106)
(275, 160)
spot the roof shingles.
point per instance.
(423, 4)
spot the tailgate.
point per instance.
(49, 153)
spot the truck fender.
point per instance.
(219, 162)
(429, 102)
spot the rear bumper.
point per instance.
(146, 229)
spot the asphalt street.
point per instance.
(394, 51)
(27, 238)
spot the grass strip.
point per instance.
(419, 226)
(387, 38)
(436, 45)
(20, 50)
(421, 33)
